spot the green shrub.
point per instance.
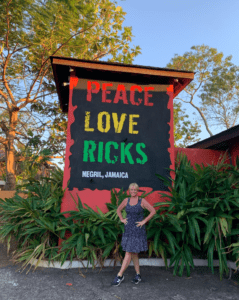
(202, 213)
(33, 221)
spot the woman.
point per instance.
(134, 238)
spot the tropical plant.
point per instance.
(205, 204)
(97, 235)
(33, 221)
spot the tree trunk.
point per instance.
(9, 154)
(10, 169)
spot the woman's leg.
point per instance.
(126, 262)
(135, 258)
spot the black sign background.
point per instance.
(153, 131)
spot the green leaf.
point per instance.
(87, 235)
(79, 247)
(100, 212)
(162, 253)
(191, 231)
(234, 232)
(186, 264)
(171, 239)
(197, 209)
(177, 260)
(209, 229)
(196, 226)
(180, 272)
(188, 255)
(173, 220)
(210, 254)
(110, 231)
(72, 254)
(101, 234)
(156, 240)
(180, 214)
(108, 249)
(224, 225)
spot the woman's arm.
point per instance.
(121, 206)
(150, 208)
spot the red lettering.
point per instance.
(89, 89)
(105, 92)
(147, 95)
(121, 94)
(120, 88)
(132, 93)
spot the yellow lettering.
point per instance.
(132, 123)
(118, 124)
(100, 123)
(87, 122)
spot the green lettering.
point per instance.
(88, 152)
(144, 156)
(100, 152)
(125, 152)
(107, 152)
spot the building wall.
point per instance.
(234, 150)
(202, 156)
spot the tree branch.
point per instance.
(3, 126)
(105, 53)
(3, 141)
(8, 24)
(44, 63)
(33, 100)
(5, 81)
(181, 100)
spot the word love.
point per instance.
(104, 122)
(120, 93)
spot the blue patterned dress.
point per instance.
(134, 239)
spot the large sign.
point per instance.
(121, 135)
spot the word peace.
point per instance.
(120, 93)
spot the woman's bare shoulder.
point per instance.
(145, 204)
(123, 203)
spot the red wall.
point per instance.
(234, 150)
(199, 156)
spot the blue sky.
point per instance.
(163, 28)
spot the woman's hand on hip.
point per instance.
(140, 224)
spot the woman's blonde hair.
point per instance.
(135, 185)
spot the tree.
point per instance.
(183, 128)
(56, 128)
(33, 30)
(206, 62)
(220, 96)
